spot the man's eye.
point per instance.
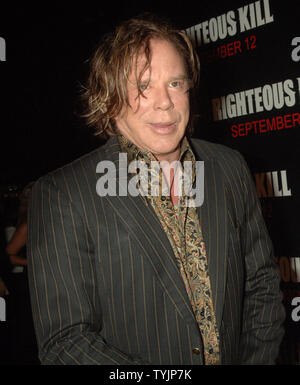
(176, 84)
(143, 86)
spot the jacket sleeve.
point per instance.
(65, 303)
(263, 312)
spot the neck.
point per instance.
(168, 157)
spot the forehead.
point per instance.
(164, 56)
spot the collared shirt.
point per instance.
(182, 226)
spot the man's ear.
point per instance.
(117, 121)
(120, 114)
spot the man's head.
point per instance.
(139, 83)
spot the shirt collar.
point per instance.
(134, 153)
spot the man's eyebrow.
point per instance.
(173, 77)
(179, 77)
(147, 80)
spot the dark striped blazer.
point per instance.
(104, 284)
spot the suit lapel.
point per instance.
(213, 219)
(145, 228)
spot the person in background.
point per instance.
(3, 289)
(3, 260)
(23, 340)
(16, 247)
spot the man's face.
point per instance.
(157, 122)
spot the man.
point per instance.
(123, 278)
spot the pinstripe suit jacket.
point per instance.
(105, 287)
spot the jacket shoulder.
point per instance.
(230, 162)
(208, 150)
(75, 175)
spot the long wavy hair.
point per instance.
(105, 93)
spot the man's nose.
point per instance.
(162, 99)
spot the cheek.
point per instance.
(142, 104)
(138, 106)
(183, 106)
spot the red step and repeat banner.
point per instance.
(250, 100)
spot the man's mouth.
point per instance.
(162, 124)
(163, 127)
